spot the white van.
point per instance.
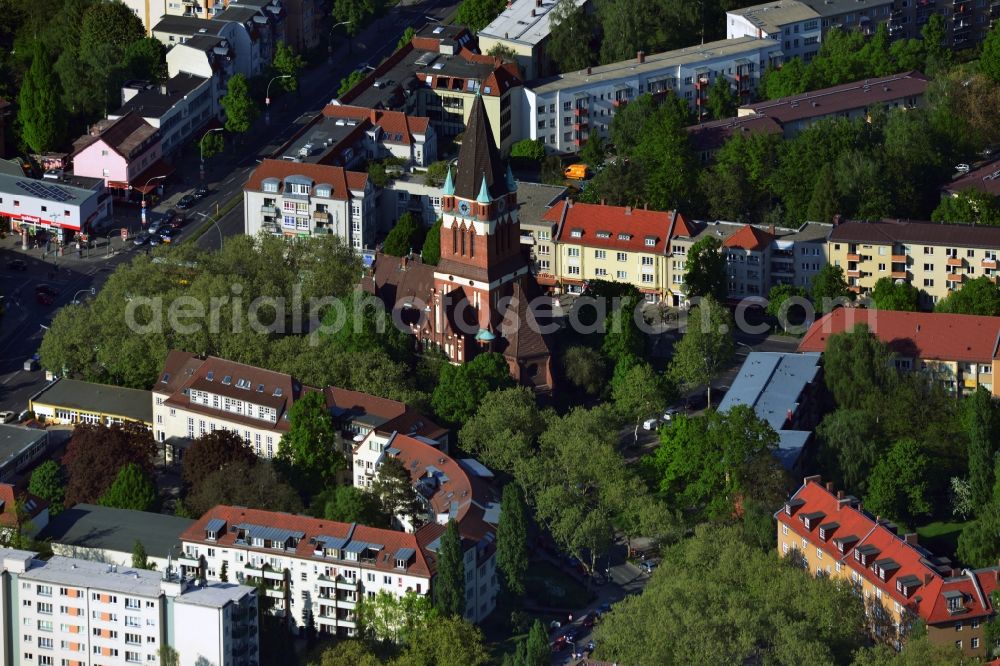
(650, 424)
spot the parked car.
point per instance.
(590, 647)
(186, 202)
(17, 265)
(154, 239)
(672, 412)
(140, 239)
(648, 566)
(588, 620)
(962, 168)
(155, 226)
(178, 220)
(650, 424)
(559, 644)
(202, 192)
(572, 634)
(30, 365)
(45, 294)
(7, 417)
(167, 235)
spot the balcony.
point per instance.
(900, 275)
(851, 256)
(955, 261)
(854, 274)
(899, 258)
(270, 210)
(990, 264)
(321, 216)
(188, 561)
(618, 103)
(701, 83)
(955, 277)
(579, 126)
(580, 111)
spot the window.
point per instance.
(622, 275)
(647, 278)
(647, 261)
(650, 242)
(573, 252)
(600, 254)
(573, 270)
(784, 529)
(975, 643)
(622, 256)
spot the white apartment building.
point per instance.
(71, 612)
(296, 199)
(178, 107)
(563, 111)
(449, 489)
(309, 566)
(793, 24)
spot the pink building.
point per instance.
(125, 153)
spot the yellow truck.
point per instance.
(577, 172)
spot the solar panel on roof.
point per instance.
(215, 525)
(356, 546)
(271, 533)
(404, 554)
(332, 542)
(45, 191)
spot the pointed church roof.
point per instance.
(479, 157)
(449, 184)
(484, 196)
(522, 332)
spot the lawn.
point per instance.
(548, 585)
(941, 538)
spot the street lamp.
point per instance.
(215, 222)
(201, 150)
(144, 196)
(267, 97)
(92, 290)
(337, 25)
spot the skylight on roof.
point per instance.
(227, 380)
(278, 392)
(166, 378)
(210, 376)
(260, 388)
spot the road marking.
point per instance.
(10, 377)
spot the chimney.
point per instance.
(163, 89)
(602, 202)
(532, 13)
(829, 484)
(910, 538)
(815, 477)
(840, 494)
(771, 229)
(628, 210)
(588, 71)
(836, 219)
(641, 57)
(538, 3)
(645, 206)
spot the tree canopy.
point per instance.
(891, 295)
(449, 588)
(705, 270)
(979, 296)
(96, 454)
(241, 111)
(243, 483)
(310, 449)
(504, 428)
(477, 14)
(131, 489)
(48, 482)
(461, 388)
(211, 452)
(706, 346)
(405, 237)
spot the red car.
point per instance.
(588, 620)
(559, 644)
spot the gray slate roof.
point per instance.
(101, 527)
(134, 404)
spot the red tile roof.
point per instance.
(923, 335)
(392, 122)
(33, 505)
(933, 578)
(595, 220)
(342, 181)
(391, 540)
(749, 238)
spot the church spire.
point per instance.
(449, 184)
(479, 157)
(484, 193)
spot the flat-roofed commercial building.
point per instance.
(524, 27)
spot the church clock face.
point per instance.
(463, 207)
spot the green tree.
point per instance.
(981, 423)
(95, 455)
(708, 465)
(849, 444)
(146, 60)
(224, 572)
(706, 346)
(980, 296)
(309, 449)
(528, 149)
(721, 102)
(828, 286)
(406, 37)
(393, 488)
(131, 489)
(477, 14)
(571, 31)
(594, 151)
(640, 392)
(394, 620)
(824, 202)
(40, 114)
(140, 560)
(666, 157)
(585, 368)
(436, 174)
(504, 52)
(737, 186)
(784, 81)
(211, 144)
(970, 206)
(537, 651)
(347, 504)
(512, 540)
(241, 112)
(107, 31)
(211, 452)
(242, 483)
(351, 80)
(979, 542)
(706, 273)
(447, 641)
(857, 367)
(654, 628)
(355, 13)
(776, 299)
(431, 252)
(462, 387)
(628, 124)
(49, 483)
(622, 337)
(449, 582)
(989, 57)
(898, 484)
(405, 237)
(890, 295)
(504, 428)
(287, 63)
(935, 36)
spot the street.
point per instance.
(23, 323)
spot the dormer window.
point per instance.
(624, 237)
(227, 380)
(826, 530)
(210, 376)
(278, 392)
(270, 184)
(844, 544)
(907, 585)
(791, 506)
(166, 378)
(576, 233)
(810, 520)
(650, 241)
(604, 234)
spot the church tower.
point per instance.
(481, 254)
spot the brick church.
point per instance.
(477, 298)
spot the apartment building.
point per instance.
(197, 395)
(534, 201)
(966, 22)
(21, 448)
(901, 581)
(178, 108)
(523, 27)
(935, 258)
(615, 243)
(20, 510)
(448, 489)
(985, 179)
(120, 152)
(437, 76)
(958, 351)
(850, 100)
(302, 19)
(309, 567)
(74, 612)
(298, 199)
(799, 25)
(563, 111)
(708, 138)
